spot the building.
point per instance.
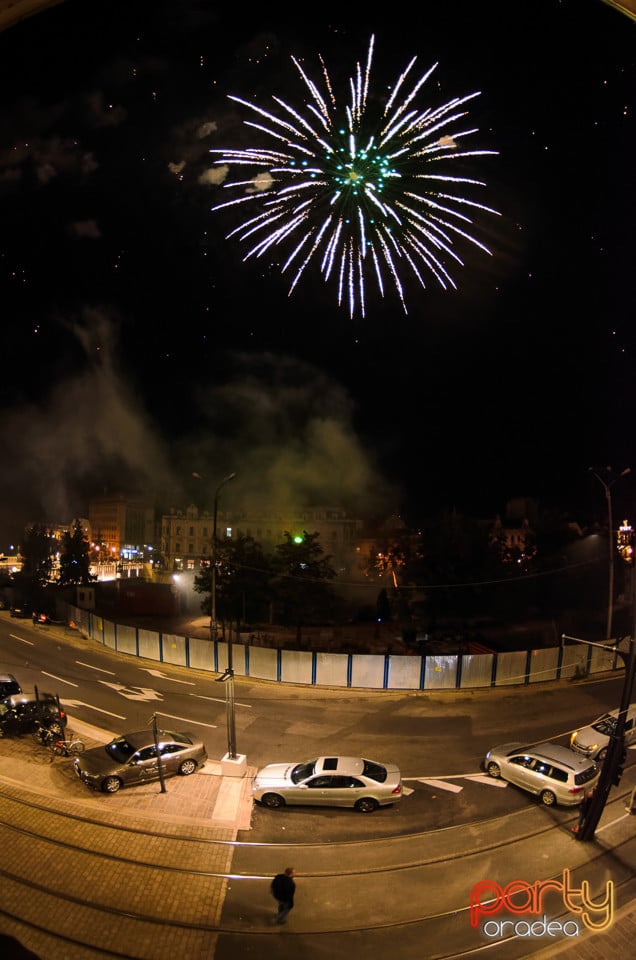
(121, 528)
(186, 535)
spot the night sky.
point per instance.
(138, 347)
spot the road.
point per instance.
(389, 881)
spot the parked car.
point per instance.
(132, 758)
(20, 611)
(362, 784)
(8, 685)
(552, 772)
(22, 713)
(592, 741)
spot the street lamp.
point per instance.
(607, 486)
(213, 623)
(228, 676)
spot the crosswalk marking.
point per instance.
(442, 785)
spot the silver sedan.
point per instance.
(354, 782)
(134, 758)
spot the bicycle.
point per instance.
(67, 748)
(44, 736)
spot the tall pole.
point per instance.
(228, 676)
(607, 486)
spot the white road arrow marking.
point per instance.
(407, 791)
(133, 693)
(163, 676)
(89, 706)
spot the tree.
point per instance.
(36, 554)
(74, 557)
(301, 575)
(243, 580)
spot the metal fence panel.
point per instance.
(602, 660)
(367, 670)
(110, 631)
(574, 662)
(441, 672)
(127, 639)
(264, 663)
(511, 668)
(544, 664)
(331, 669)
(476, 669)
(201, 654)
(173, 649)
(404, 672)
(296, 666)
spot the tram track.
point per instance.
(87, 875)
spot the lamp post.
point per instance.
(213, 624)
(228, 676)
(607, 486)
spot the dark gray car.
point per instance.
(133, 758)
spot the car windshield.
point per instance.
(605, 725)
(119, 749)
(303, 770)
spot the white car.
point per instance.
(354, 782)
(550, 771)
(592, 741)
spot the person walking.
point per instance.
(584, 808)
(283, 890)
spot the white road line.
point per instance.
(59, 679)
(90, 666)
(612, 823)
(89, 706)
(22, 640)
(173, 716)
(441, 785)
(219, 700)
(407, 791)
(489, 781)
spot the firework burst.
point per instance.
(362, 192)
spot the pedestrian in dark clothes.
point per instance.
(283, 890)
(584, 809)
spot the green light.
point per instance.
(298, 539)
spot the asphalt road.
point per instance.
(437, 739)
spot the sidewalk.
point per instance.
(207, 797)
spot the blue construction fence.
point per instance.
(361, 670)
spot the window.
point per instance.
(322, 783)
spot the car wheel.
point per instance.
(272, 801)
(366, 805)
(494, 770)
(548, 799)
(602, 754)
(187, 767)
(111, 784)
